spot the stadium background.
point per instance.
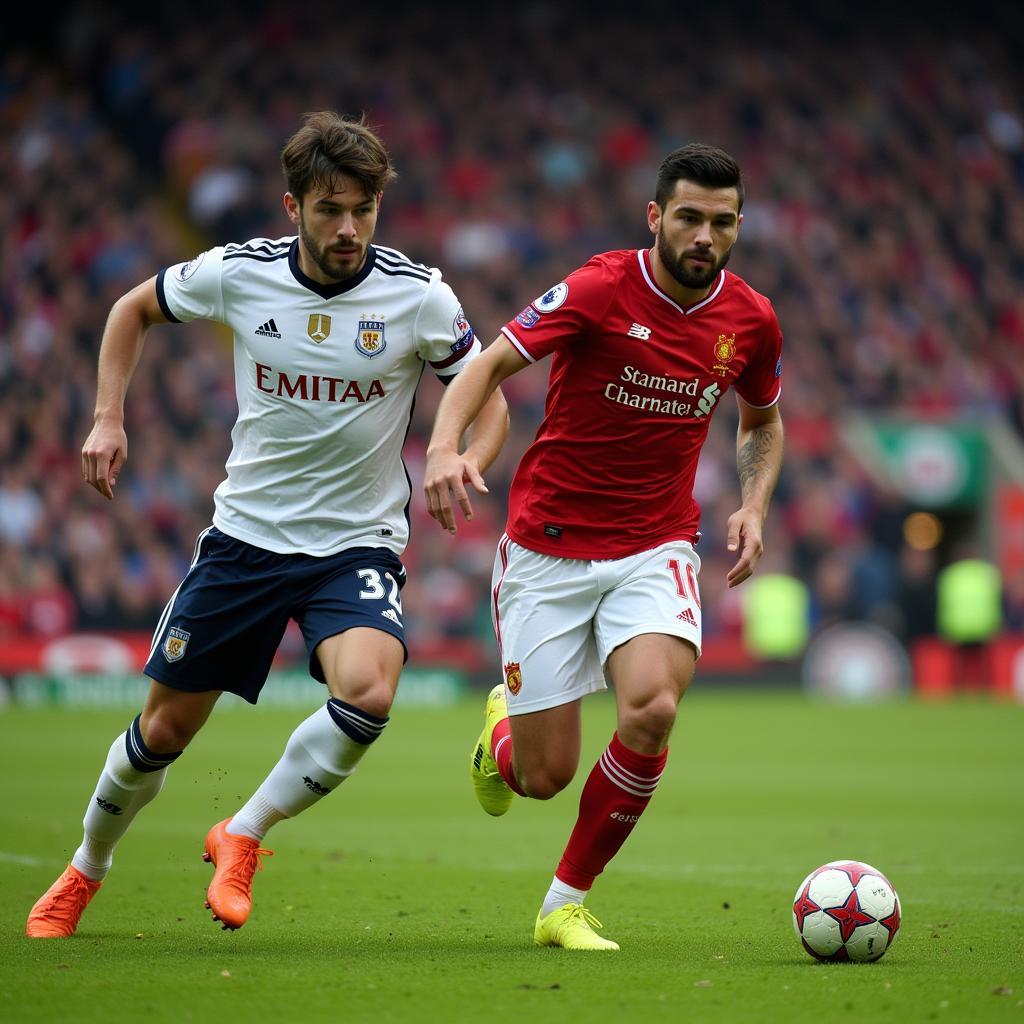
(884, 162)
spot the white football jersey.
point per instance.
(325, 377)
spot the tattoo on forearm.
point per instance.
(752, 459)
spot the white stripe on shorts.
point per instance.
(165, 615)
(503, 550)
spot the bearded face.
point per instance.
(694, 267)
(694, 234)
(336, 223)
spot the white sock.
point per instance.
(131, 777)
(559, 895)
(322, 752)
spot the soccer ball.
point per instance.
(846, 910)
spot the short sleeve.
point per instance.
(192, 290)
(760, 384)
(444, 336)
(559, 316)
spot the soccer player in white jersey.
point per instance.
(597, 571)
(331, 334)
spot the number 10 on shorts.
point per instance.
(687, 589)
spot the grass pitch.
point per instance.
(397, 899)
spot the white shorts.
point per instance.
(558, 619)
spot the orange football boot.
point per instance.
(58, 911)
(237, 859)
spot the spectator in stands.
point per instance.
(887, 227)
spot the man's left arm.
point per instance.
(759, 445)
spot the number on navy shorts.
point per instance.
(374, 589)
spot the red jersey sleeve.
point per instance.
(563, 313)
(760, 384)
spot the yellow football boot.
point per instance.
(491, 789)
(571, 927)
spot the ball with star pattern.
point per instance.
(846, 910)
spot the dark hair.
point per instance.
(328, 145)
(698, 162)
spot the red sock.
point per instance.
(502, 752)
(620, 786)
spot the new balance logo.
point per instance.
(315, 786)
(268, 330)
(107, 806)
(639, 331)
(687, 616)
(390, 613)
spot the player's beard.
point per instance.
(675, 264)
(319, 255)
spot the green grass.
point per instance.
(396, 899)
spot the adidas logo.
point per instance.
(687, 616)
(268, 330)
(107, 806)
(315, 786)
(390, 613)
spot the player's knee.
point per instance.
(544, 782)
(165, 732)
(649, 724)
(372, 695)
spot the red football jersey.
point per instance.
(634, 381)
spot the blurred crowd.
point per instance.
(884, 165)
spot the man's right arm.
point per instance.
(106, 447)
(447, 470)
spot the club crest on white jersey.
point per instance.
(370, 340)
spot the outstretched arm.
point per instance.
(106, 447)
(759, 445)
(472, 398)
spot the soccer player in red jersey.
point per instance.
(596, 572)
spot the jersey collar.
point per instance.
(329, 291)
(643, 257)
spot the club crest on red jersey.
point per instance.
(175, 643)
(370, 339)
(513, 677)
(725, 350)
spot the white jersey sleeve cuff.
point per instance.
(518, 344)
(774, 401)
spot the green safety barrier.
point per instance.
(776, 617)
(969, 601)
(293, 688)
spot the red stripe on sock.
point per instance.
(503, 753)
(616, 793)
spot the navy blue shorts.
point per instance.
(224, 623)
